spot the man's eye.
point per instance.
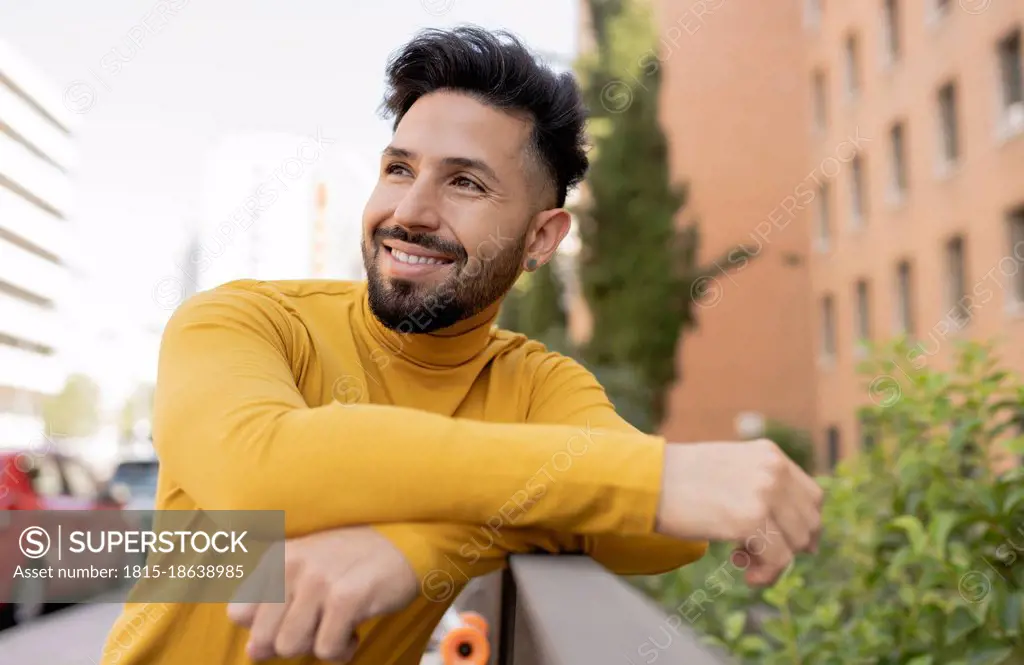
(463, 182)
(396, 169)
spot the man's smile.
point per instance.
(404, 260)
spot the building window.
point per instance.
(904, 299)
(1016, 223)
(891, 31)
(832, 442)
(819, 91)
(857, 195)
(852, 67)
(828, 329)
(956, 282)
(949, 126)
(824, 214)
(867, 434)
(863, 311)
(898, 148)
(1012, 84)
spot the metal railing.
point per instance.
(569, 610)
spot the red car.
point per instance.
(31, 480)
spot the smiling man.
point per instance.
(412, 445)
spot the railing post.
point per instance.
(507, 619)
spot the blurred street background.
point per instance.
(804, 220)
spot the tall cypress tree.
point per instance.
(534, 308)
(638, 266)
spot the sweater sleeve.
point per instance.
(234, 432)
(566, 393)
(447, 556)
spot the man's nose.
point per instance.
(417, 211)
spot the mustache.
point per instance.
(433, 243)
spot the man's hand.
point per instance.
(749, 492)
(334, 581)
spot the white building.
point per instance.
(260, 215)
(36, 157)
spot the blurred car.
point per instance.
(134, 485)
(34, 481)
(134, 482)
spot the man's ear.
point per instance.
(547, 230)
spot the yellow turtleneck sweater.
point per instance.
(460, 446)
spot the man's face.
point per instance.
(444, 232)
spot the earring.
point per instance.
(531, 264)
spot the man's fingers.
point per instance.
(808, 484)
(794, 518)
(336, 639)
(243, 613)
(264, 630)
(791, 525)
(811, 514)
(768, 561)
(811, 508)
(297, 633)
(244, 604)
(799, 510)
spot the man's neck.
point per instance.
(447, 347)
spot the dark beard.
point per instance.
(473, 285)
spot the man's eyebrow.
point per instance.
(472, 165)
(399, 153)
(468, 163)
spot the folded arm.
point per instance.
(234, 432)
(567, 394)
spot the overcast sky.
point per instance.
(203, 68)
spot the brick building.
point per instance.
(872, 153)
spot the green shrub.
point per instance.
(533, 307)
(918, 559)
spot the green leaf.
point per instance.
(775, 628)
(776, 596)
(988, 500)
(915, 531)
(907, 595)
(997, 377)
(980, 609)
(921, 660)
(713, 641)
(734, 624)
(939, 530)
(961, 623)
(1013, 499)
(1010, 612)
(750, 645)
(990, 656)
(1015, 446)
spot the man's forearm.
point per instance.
(234, 433)
(337, 466)
(643, 555)
(445, 556)
(568, 394)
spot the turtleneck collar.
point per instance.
(448, 347)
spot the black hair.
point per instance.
(497, 69)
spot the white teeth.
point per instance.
(412, 259)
